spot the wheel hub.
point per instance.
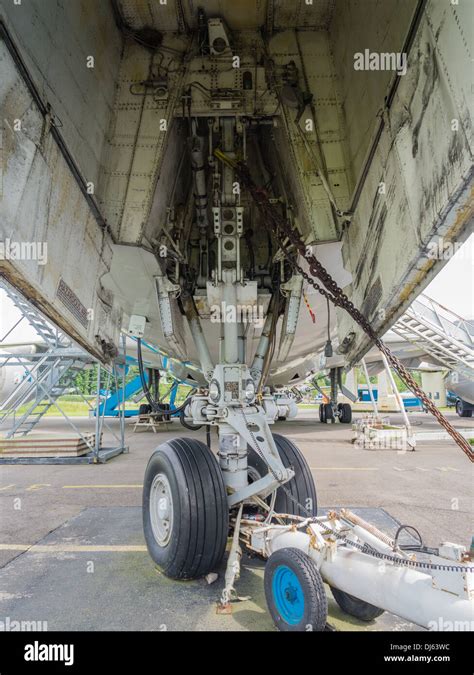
(288, 594)
(161, 509)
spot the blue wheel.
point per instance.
(288, 595)
(295, 592)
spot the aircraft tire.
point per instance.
(301, 487)
(461, 411)
(346, 413)
(328, 412)
(185, 509)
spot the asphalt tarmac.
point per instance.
(72, 552)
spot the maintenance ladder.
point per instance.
(48, 374)
(440, 333)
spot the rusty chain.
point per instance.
(286, 234)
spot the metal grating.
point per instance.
(72, 302)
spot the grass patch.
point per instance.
(71, 408)
(74, 406)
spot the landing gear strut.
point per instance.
(329, 412)
(189, 495)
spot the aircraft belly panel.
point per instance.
(418, 190)
(294, 112)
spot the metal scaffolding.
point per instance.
(49, 371)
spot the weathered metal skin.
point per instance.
(427, 172)
(55, 41)
(42, 204)
(116, 139)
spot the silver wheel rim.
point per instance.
(161, 509)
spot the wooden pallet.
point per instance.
(36, 445)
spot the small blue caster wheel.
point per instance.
(294, 590)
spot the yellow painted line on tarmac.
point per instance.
(73, 548)
(100, 487)
(7, 487)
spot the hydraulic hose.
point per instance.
(155, 405)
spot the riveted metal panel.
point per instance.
(55, 39)
(137, 142)
(42, 203)
(356, 26)
(238, 14)
(311, 53)
(425, 169)
(302, 14)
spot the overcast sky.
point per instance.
(452, 287)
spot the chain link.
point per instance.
(288, 236)
(284, 232)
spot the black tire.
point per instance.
(301, 486)
(144, 409)
(461, 411)
(355, 607)
(328, 412)
(310, 615)
(346, 413)
(194, 542)
(322, 416)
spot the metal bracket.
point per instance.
(344, 390)
(254, 428)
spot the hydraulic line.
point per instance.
(155, 405)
